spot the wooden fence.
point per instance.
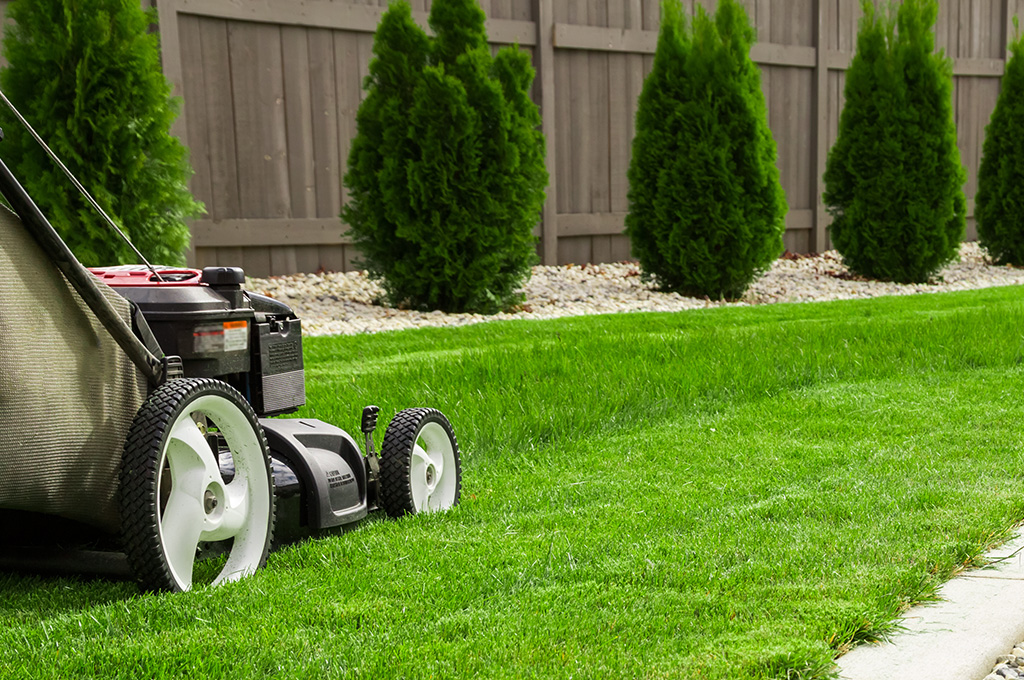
(271, 89)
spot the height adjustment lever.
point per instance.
(368, 426)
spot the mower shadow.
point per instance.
(31, 597)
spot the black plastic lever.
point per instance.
(368, 426)
(370, 419)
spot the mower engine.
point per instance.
(250, 341)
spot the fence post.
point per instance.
(544, 62)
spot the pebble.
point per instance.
(1009, 665)
(351, 303)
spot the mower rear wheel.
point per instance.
(173, 496)
(420, 468)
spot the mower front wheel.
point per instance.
(174, 497)
(420, 468)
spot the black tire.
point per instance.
(173, 497)
(407, 485)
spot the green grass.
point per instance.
(741, 492)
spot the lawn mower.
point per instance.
(139, 420)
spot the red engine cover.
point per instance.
(133, 275)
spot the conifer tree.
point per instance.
(893, 181)
(999, 203)
(86, 74)
(707, 211)
(446, 175)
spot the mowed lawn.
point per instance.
(737, 492)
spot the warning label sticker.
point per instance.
(208, 339)
(236, 336)
(230, 336)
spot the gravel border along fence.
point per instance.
(349, 303)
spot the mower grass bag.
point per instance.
(68, 393)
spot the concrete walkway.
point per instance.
(980, 617)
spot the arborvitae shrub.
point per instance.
(893, 181)
(446, 174)
(86, 74)
(706, 210)
(999, 203)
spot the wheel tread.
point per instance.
(137, 492)
(395, 464)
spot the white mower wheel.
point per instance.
(419, 464)
(173, 496)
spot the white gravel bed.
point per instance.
(349, 303)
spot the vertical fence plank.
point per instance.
(298, 116)
(545, 65)
(979, 26)
(1010, 10)
(561, 104)
(324, 130)
(819, 242)
(580, 133)
(257, 86)
(324, 122)
(619, 115)
(582, 124)
(220, 116)
(1003, 27)
(763, 25)
(194, 92)
(600, 116)
(220, 113)
(634, 75)
(299, 137)
(651, 22)
(352, 53)
(258, 90)
(962, 89)
(170, 57)
(348, 69)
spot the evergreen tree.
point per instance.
(893, 181)
(446, 175)
(999, 204)
(86, 74)
(707, 211)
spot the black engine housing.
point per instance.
(250, 341)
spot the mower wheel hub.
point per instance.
(210, 501)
